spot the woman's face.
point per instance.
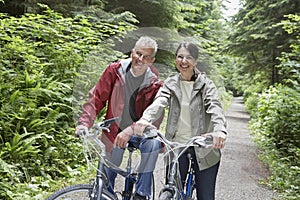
(185, 63)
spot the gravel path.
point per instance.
(240, 170)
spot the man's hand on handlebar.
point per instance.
(219, 139)
(81, 129)
(123, 137)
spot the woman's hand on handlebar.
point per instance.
(139, 127)
(219, 139)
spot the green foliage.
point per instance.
(149, 13)
(259, 39)
(251, 103)
(289, 67)
(41, 56)
(276, 127)
(274, 112)
(252, 91)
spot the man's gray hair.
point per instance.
(147, 42)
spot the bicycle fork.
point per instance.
(189, 182)
(99, 181)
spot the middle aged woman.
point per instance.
(194, 109)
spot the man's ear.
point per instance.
(153, 59)
(131, 52)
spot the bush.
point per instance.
(251, 104)
(40, 58)
(276, 127)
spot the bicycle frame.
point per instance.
(101, 181)
(174, 184)
(174, 189)
(99, 187)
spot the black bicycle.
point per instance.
(97, 189)
(173, 189)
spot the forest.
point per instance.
(52, 52)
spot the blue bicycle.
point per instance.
(97, 189)
(173, 189)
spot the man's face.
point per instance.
(141, 60)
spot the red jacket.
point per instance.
(110, 91)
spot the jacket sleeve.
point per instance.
(98, 96)
(156, 110)
(214, 108)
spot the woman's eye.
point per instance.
(189, 58)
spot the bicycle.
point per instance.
(173, 189)
(97, 189)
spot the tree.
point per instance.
(258, 40)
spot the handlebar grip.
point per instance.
(209, 140)
(112, 120)
(81, 132)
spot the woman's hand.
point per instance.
(139, 127)
(219, 139)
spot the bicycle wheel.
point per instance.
(76, 192)
(152, 197)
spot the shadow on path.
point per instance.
(240, 170)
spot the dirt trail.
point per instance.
(240, 170)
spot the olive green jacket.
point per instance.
(206, 113)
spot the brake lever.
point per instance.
(205, 142)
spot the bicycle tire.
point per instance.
(80, 191)
(166, 195)
(152, 189)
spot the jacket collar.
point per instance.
(148, 76)
(124, 64)
(173, 82)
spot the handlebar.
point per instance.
(106, 123)
(100, 126)
(201, 141)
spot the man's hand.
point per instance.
(123, 137)
(80, 128)
(219, 139)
